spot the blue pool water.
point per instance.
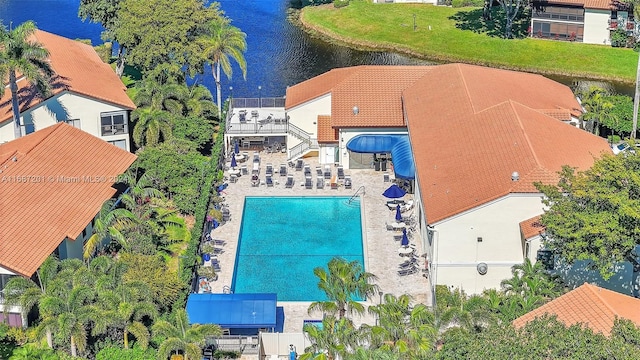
(282, 239)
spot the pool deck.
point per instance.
(380, 249)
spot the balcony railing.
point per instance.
(265, 102)
(257, 128)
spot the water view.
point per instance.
(279, 54)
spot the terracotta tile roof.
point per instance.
(590, 305)
(316, 86)
(78, 69)
(471, 127)
(375, 90)
(40, 211)
(326, 133)
(531, 227)
(587, 4)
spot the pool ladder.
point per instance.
(356, 194)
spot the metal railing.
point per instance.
(256, 128)
(303, 148)
(243, 344)
(299, 133)
(262, 102)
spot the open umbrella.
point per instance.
(393, 192)
(405, 239)
(236, 148)
(398, 213)
(233, 160)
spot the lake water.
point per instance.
(279, 54)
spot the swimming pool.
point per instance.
(282, 239)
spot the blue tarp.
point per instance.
(233, 311)
(397, 145)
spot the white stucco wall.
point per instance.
(457, 251)
(535, 244)
(305, 116)
(64, 106)
(73, 249)
(596, 26)
(344, 135)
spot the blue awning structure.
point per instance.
(233, 311)
(397, 145)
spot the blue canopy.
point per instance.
(236, 147)
(233, 311)
(397, 145)
(393, 192)
(405, 239)
(398, 213)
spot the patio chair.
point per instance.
(409, 263)
(347, 182)
(244, 170)
(319, 171)
(408, 271)
(283, 169)
(340, 172)
(290, 181)
(334, 183)
(307, 170)
(269, 181)
(299, 164)
(407, 206)
(308, 183)
(242, 115)
(233, 178)
(226, 214)
(269, 171)
(320, 183)
(327, 172)
(389, 227)
(255, 181)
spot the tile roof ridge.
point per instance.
(55, 128)
(595, 291)
(466, 88)
(524, 133)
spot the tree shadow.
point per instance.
(472, 20)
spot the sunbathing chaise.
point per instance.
(269, 170)
(283, 169)
(308, 183)
(269, 181)
(290, 181)
(299, 164)
(340, 172)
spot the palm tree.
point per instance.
(179, 336)
(345, 284)
(402, 327)
(220, 44)
(68, 306)
(333, 340)
(597, 106)
(122, 305)
(27, 293)
(109, 225)
(166, 97)
(150, 125)
(19, 54)
(197, 101)
(31, 352)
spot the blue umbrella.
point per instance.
(405, 239)
(233, 160)
(398, 213)
(393, 192)
(236, 148)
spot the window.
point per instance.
(27, 128)
(122, 144)
(114, 123)
(73, 122)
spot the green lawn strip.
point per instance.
(390, 27)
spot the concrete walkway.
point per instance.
(381, 251)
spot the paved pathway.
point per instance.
(381, 256)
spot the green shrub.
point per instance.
(466, 3)
(619, 38)
(116, 353)
(221, 354)
(340, 3)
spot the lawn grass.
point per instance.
(390, 27)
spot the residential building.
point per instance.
(589, 21)
(593, 307)
(86, 93)
(470, 141)
(53, 182)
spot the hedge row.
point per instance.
(211, 176)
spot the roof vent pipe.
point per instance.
(515, 176)
(355, 110)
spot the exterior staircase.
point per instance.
(307, 145)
